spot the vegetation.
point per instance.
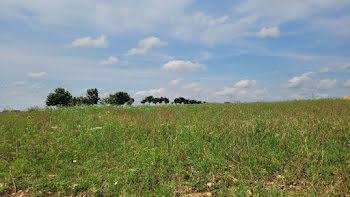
(60, 97)
(296, 148)
(155, 100)
(119, 98)
(92, 96)
(182, 100)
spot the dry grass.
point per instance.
(346, 97)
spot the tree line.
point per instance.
(61, 97)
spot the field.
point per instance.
(299, 148)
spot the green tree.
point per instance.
(131, 101)
(119, 98)
(164, 99)
(148, 99)
(79, 101)
(92, 96)
(182, 100)
(59, 98)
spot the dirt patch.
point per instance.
(19, 193)
(202, 194)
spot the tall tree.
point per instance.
(60, 97)
(119, 98)
(92, 96)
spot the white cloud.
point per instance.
(242, 89)
(273, 32)
(347, 83)
(237, 93)
(180, 65)
(205, 28)
(88, 42)
(246, 16)
(152, 92)
(326, 84)
(280, 11)
(14, 84)
(36, 87)
(344, 67)
(145, 45)
(325, 70)
(37, 75)
(299, 80)
(175, 82)
(197, 87)
(245, 84)
(110, 60)
(149, 16)
(104, 15)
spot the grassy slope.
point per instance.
(297, 147)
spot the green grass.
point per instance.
(295, 148)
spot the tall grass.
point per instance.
(267, 149)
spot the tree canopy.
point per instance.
(60, 97)
(155, 100)
(119, 98)
(92, 96)
(182, 100)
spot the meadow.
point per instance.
(291, 148)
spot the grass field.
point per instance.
(299, 148)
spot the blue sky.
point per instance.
(219, 51)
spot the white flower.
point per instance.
(96, 128)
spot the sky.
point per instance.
(214, 51)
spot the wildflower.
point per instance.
(249, 193)
(74, 185)
(52, 176)
(96, 128)
(75, 161)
